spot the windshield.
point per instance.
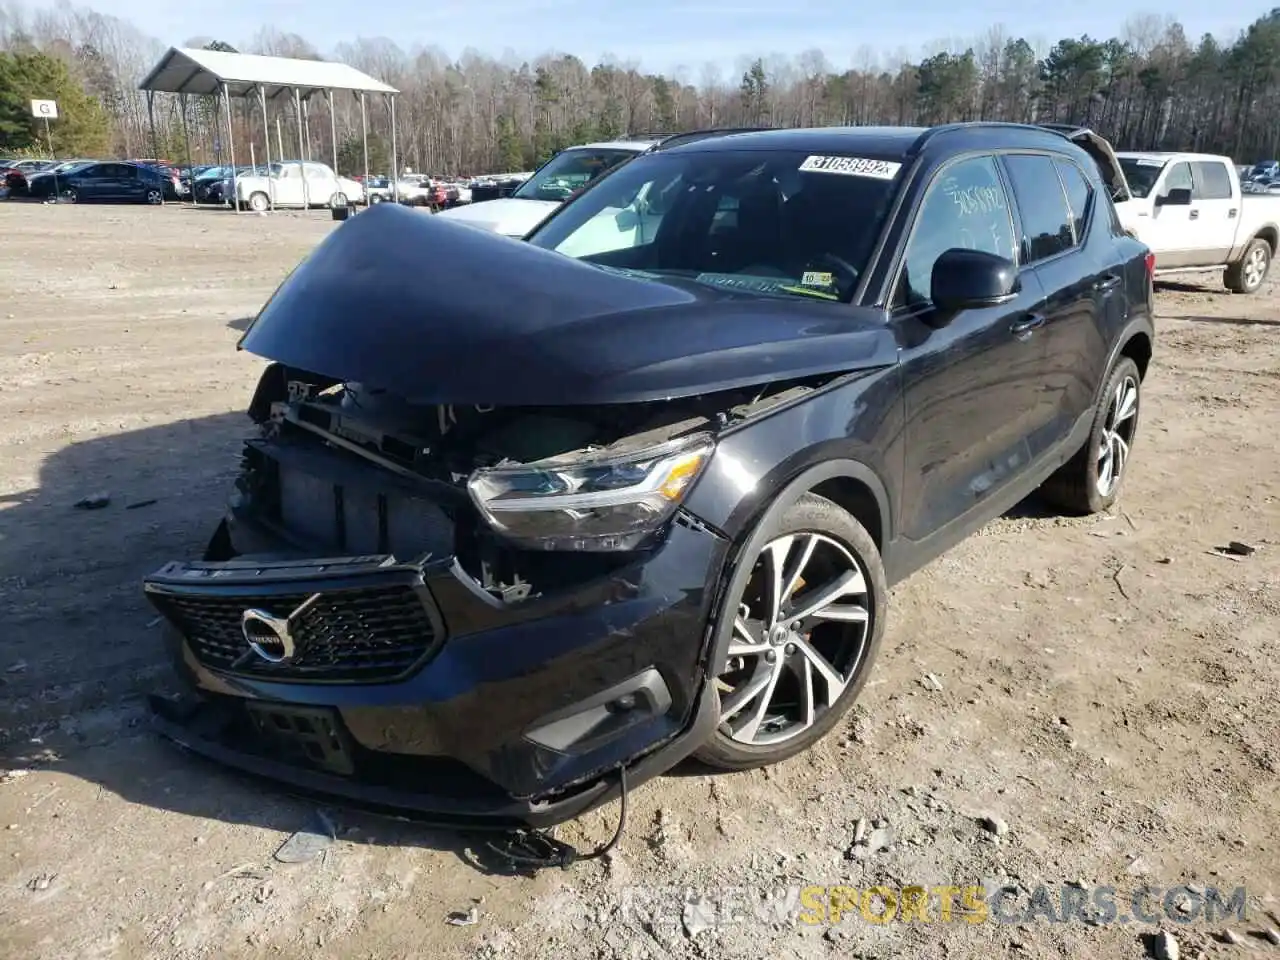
(781, 223)
(1142, 173)
(570, 170)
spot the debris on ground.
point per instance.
(303, 846)
(95, 501)
(994, 825)
(464, 918)
(1164, 946)
(1239, 548)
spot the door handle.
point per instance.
(1232, 212)
(1195, 214)
(1022, 329)
(1109, 282)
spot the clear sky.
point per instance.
(666, 34)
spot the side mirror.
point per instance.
(969, 279)
(1178, 197)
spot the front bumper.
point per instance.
(509, 713)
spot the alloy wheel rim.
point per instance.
(1254, 267)
(799, 638)
(1117, 435)
(153, 196)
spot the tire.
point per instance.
(155, 197)
(1077, 486)
(339, 199)
(847, 646)
(1247, 274)
(259, 202)
(69, 195)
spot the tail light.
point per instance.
(1151, 266)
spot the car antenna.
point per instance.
(537, 848)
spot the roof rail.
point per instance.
(692, 136)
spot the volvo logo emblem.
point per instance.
(268, 636)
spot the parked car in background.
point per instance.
(500, 563)
(495, 186)
(1191, 210)
(547, 188)
(110, 180)
(173, 189)
(412, 189)
(378, 189)
(295, 183)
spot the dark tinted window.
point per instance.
(1213, 182)
(570, 171)
(1042, 207)
(1079, 195)
(117, 171)
(1178, 178)
(782, 223)
(965, 207)
(93, 171)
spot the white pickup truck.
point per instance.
(1189, 209)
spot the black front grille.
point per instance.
(359, 634)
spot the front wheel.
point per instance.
(1247, 273)
(807, 623)
(155, 197)
(70, 195)
(1090, 481)
(259, 202)
(339, 199)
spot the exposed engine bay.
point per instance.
(346, 468)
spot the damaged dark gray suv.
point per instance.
(636, 487)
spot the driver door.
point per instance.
(970, 386)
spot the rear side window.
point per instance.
(1079, 195)
(1212, 181)
(1042, 205)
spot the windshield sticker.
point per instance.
(814, 278)
(1148, 162)
(852, 167)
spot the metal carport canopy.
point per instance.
(214, 73)
(205, 72)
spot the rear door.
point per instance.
(971, 387)
(1056, 205)
(1215, 211)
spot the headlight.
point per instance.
(590, 503)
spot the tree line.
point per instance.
(1152, 87)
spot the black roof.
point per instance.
(882, 142)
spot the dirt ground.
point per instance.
(1109, 688)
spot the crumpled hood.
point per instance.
(500, 321)
(506, 215)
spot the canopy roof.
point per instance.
(184, 70)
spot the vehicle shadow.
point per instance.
(1179, 286)
(240, 323)
(80, 647)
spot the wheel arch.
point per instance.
(1138, 349)
(850, 484)
(1271, 234)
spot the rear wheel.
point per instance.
(339, 199)
(259, 202)
(155, 196)
(806, 627)
(1247, 273)
(1090, 481)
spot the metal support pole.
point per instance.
(279, 140)
(364, 136)
(306, 126)
(297, 109)
(333, 129)
(151, 117)
(395, 163)
(186, 146)
(266, 135)
(231, 148)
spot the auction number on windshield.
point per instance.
(852, 167)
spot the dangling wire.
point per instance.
(535, 848)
